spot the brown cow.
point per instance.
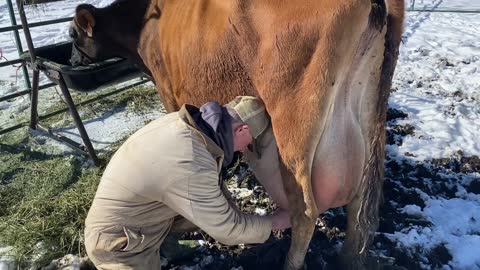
(323, 69)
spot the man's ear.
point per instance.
(242, 128)
(84, 18)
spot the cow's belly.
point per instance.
(339, 159)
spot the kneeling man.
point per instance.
(166, 178)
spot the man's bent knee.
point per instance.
(118, 247)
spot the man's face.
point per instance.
(241, 137)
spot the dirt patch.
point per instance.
(395, 133)
(393, 114)
(439, 256)
(459, 163)
(474, 187)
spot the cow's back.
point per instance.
(215, 50)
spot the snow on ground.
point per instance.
(104, 131)
(455, 224)
(437, 83)
(107, 129)
(6, 263)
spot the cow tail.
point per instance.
(372, 183)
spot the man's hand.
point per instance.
(281, 220)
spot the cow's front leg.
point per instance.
(302, 230)
(302, 225)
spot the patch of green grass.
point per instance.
(44, 200)
(139, 100)
(144, 100)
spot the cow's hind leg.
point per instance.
(355, 247)
(302, 225)
(363, 210)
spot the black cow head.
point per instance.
(88, 41)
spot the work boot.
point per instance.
(173, 249)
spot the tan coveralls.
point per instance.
(165, 171)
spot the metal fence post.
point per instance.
(18, 42)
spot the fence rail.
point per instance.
(11, 62)
(444, 11)
(428, 9)
(24, 92)
(86, 102)
(14, 28)
(18, 42)
(35, 24)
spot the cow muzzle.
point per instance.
(79, 57)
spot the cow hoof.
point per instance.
(289, 265)
(351, 263)
(382, 263)
(369, 263)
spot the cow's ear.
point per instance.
(85, 19)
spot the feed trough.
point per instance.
(54, 60)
